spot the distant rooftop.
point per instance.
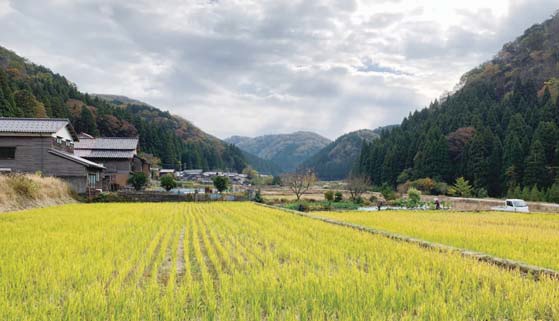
(107, 143)
(34, 125)
(95, 153)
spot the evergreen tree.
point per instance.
(494, 185)
(86, 122)
(536, 171)
(513, 160)
(433, 160)
(553, 193)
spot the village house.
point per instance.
(119, 156)
(47, 146)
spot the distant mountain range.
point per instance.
(286, 151)
(335, 161)
(339, 158)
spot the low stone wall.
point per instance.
(530, 270)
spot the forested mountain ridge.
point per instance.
(335, 161)
(29, 90)
(287, 151)
(499, 130)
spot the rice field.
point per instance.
(530, 238)
(239, 261)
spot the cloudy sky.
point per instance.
(251, 67)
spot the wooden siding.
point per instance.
(32, 156)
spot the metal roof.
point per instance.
(88, 153)
(34, 125)
(75, 158)
(111, 143)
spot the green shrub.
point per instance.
(168, 182)
(414, 197)
(388, 193)
(358, 200)
(221, 183)
(441, 188)
(138, 180)
(481, 193)
(338, 197)
(329, 196)
(258, 197)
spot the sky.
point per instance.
(254, 67)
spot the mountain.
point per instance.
(120, 100)
(287, 151)
(237, 140)
(335, 161)
(499, 129)
(29, 90)
(261, 165)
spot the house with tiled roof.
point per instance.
(46, 145)
(119, 156)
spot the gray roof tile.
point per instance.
(109, 143)
(75, 158)
(32, 125)
(88, 153)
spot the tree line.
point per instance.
(501, 143)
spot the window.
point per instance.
(91, 180)
(509, 203)
(7, 153)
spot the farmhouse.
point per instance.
(119, 156)
(46, 145)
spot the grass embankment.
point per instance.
(530, 238)
(24, 191)
(239, 261)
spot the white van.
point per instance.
(513, 205)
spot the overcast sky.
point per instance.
(252, 67)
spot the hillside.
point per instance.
(287, 151)
(261, 165)
(499, 129)
(29, 90)
(335, 161)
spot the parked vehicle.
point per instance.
(513, 205)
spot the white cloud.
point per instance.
(252, 67)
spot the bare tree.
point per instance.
(357, 185)
(299, 183)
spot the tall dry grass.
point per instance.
(22, 191)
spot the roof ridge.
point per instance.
(135, 137)
(35, 119)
